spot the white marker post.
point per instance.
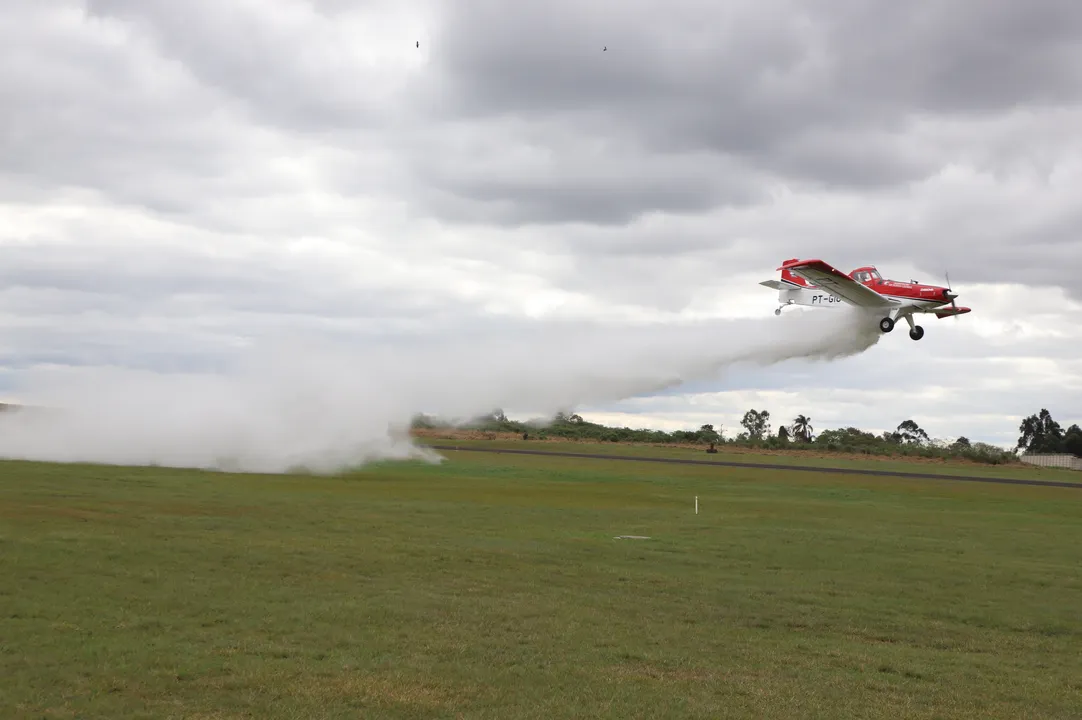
(696, 504)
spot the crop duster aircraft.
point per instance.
(816, 284)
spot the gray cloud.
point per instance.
(100, 304)
(822, 100)
(591, 197)
(291, 65)
(94, 108)
(757, 71)
(962, 58)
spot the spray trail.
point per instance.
(323, 407)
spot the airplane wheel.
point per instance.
(917, 332)
(886, 324)
(778, 311)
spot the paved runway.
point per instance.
(770, 466)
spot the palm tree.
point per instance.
(802, 428)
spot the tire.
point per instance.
(886, 324)
(917, 332)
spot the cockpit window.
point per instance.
(862, 277)
(875, 275)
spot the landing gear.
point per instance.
(886, 324)
(778, 311)
(915, 331)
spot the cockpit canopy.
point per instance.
(866, 274)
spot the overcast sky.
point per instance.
(178, 177)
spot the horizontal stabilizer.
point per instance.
(773, 284)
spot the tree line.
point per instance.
(1039, 434)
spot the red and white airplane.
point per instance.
(817, 284)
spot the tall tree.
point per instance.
(708, 433)
(1040, 434)
(757, 423)
(909, 432)
(802, 428)
(1072, 440)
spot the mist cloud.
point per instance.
(301, 402)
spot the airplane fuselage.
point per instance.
(923, 297)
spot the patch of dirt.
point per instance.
(477, 435)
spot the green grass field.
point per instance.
(491, 586)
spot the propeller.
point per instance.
(950, 291)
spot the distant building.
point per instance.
(1054, 460)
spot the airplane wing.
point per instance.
(830, 278)
(950, 311)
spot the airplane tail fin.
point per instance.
(795, 290)
(788, 283)
(789, 277)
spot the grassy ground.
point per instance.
(810, 458)
(491, 587)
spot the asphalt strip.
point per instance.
(771, 466)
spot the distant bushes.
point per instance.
(854, 440)
(907, 441)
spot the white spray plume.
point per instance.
(325, 408)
